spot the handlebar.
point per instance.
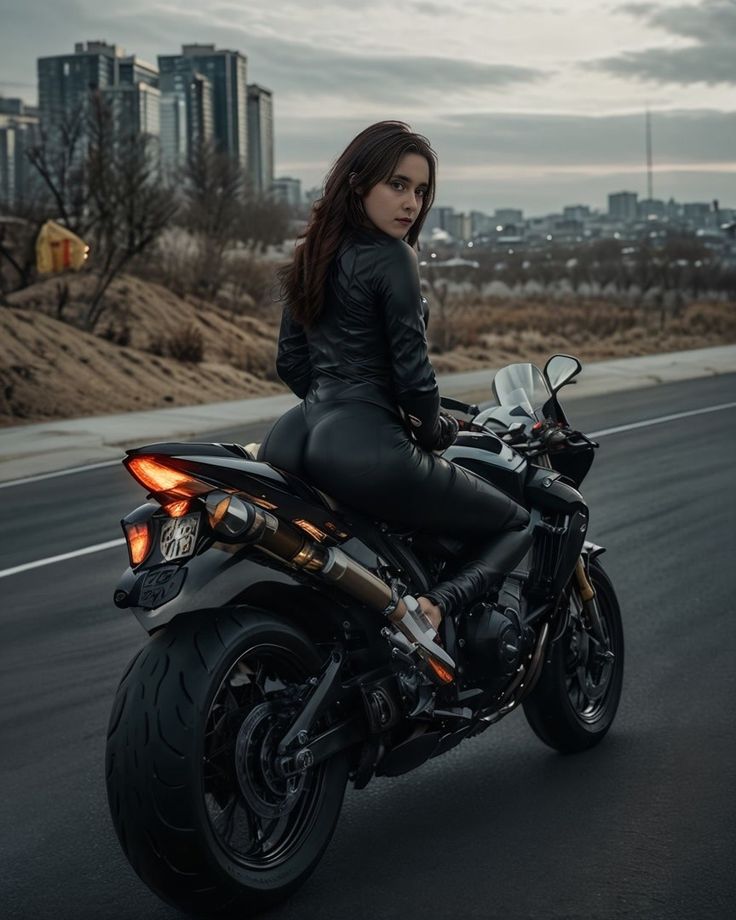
(455, 405)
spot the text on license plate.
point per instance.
(179, 536)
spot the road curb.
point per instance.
(47, 447)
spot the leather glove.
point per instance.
(447, 429)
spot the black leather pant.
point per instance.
(361, 454)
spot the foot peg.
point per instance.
(422, 639)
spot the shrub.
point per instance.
(187, 345)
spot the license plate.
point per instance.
(179, 537)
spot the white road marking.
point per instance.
(594, 434)
(73, 469)
(98, 547)
(658, 421)
(62, 558)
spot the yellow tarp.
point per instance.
(58, 249)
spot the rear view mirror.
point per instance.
(560, 369)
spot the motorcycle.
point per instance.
(275, 672)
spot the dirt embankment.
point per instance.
(153, 349)
(51, 369)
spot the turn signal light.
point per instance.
(157, 477)
(138, 538)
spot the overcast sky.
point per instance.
(528, 104)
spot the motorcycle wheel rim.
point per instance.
(265, 676)
(588, 679)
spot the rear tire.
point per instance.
(575, 700)
(212, 833)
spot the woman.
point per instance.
(353, 346)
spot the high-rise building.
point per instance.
(128, 84)
(135, 109)
(260, 138)
(173, 107)
(133, 70)
(288, 191)
(226, 73)
(65, 81)
(182, 84)
(18, 133)
(622, 206)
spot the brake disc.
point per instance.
(269, 794)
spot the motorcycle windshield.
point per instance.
(521, 386)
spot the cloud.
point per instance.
(514, 140)
(710, 25)
(711, 21)
(544, 161)
(387, 78)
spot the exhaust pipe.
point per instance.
(238, 521)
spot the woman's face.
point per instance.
(393, 206)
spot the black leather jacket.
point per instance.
(370, 343)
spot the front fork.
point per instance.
(590, 605)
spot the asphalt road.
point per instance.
(643, 826)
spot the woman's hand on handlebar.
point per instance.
(447, 429)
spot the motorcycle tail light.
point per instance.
(157, 477)
(177, 509)
(138, 538)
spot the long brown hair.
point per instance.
(371, 157)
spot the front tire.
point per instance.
(200, 813)
(576, 698)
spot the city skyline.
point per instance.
(528, 105)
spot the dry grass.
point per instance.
(491, 332)
(51, 369)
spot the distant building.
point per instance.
(132, 70)
(431, 221)
(128, 84)
(260, 138)
(174, 122)
(673, 210)
(182, 83)
(649, 208)
(480, 223)
(696, 211)
(65, 82)
(622, 206)
(19, 131)
(135, 109)
(225, 72)
(444, 217)
(578, 212)
(508, 216)
(460, 227)
(288, 191)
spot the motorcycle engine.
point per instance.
(494, 645)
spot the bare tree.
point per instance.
(59, 160)
(129, 204)
(263, 221)
(213, 203)
(105, 187)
